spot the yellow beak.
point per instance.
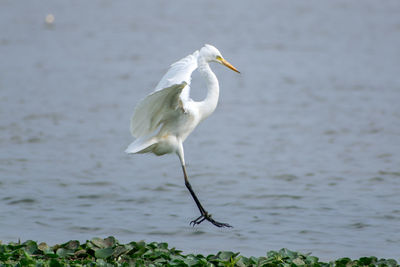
(229, 65)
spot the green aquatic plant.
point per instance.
(109, 252)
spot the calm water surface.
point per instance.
(303, 151)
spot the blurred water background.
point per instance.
(303, 151)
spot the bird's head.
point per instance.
(211, 54)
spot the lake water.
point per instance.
(303, 151)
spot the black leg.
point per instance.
(204, 214)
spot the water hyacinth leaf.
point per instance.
(99, 242)
(80, 253)
(55, 263)
(4, 256)
(30, 247)
(104, 253)
(139, 253)
(388, 262)
(152, 245)
(288, 253)
(158, 254)
(63, 253)
(102, 263)
(159, 261)
(190, 260)
(148, 255)
(27, 262)
(138, 245)
(163, 245)
(176, 258)
(262, 261)
(311, 260)
(243, 261)
(15, 246)
(272, 254)
(110, 241)
(91, 246)
(139, 262)
(203, 262)
(118, 251)
(342, 261)
(55, 247)
(175, 251)
(164, 254)
(226, 255)
(365, 261)
(253, 260)
(298, 262)
(71, 245)
(210, 257)
(177, 263)
(43, 247)
(51, 255)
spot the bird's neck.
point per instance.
(208, 105)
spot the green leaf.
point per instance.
(110, 241)
(311, 260)
(64, 253)
(43, 246)
(226, 255)
(243, 261)
(55, 263)
(118, 251)
(190, 260)
(80, 253)
(271, 254)
(284, 252)
(104, 253)
(71, 245)
(253, 260)
(365, 261)
(48, 251)
(298, 261)
(177, 263)
(388, 262)
(30, 247)
(163, 245)
(262, 261)
(108, 252)
(99, 242)
(342, 261)
(102, 263)
(27, 262)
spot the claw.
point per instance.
(198, 220)
(207, 217)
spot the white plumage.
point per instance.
(155, 109)
(162, 121)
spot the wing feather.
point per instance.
(169, 96)
(150, 113)
(180, 71)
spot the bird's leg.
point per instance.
(189, 187)
(204, 214)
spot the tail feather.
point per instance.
(140, 146)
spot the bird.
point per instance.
(163, 120)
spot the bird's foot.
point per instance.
(207, 217)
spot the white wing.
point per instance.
(180, 71)
(156, 108)
(170, 95)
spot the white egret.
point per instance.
(163, 120)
